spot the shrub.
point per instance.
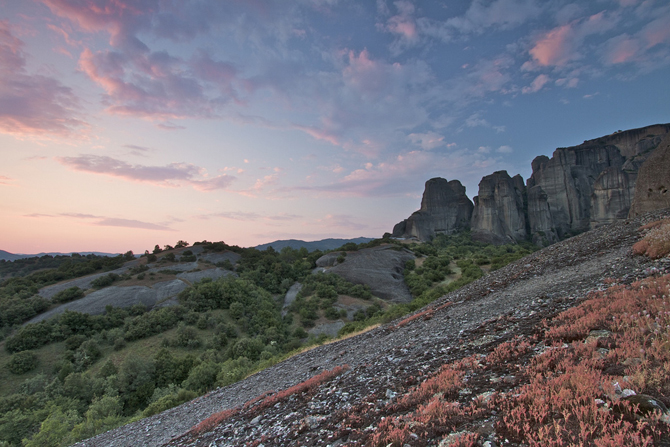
(66, 295)
(656, 243)
(202, 377)
(22, 362)
(104, 281)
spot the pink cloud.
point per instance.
(564, 44)
(646, 47)
(102, 221)
(118, 17)
(4, 180)
(555, 47)
(32, 104)
(171, 175)
(149, 85)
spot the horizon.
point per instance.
(129, 124)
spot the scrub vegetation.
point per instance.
(75, 375)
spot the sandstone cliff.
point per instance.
(499, 216)
(445, 209)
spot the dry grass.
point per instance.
(656, 243)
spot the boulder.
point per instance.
(499, 216)
(380, 267)
(445, 209)
(653, 181)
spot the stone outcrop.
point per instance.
(380, 267)
(499, 216)
(585, 186)
(577, 189)
(653, 181)
(445, 209)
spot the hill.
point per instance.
(323, 245)
(7, 256)
(464, 363)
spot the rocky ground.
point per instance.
(387, 361)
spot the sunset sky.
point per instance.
(130, 123)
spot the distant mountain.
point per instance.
(324, 244)
(7, 256)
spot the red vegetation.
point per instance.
(257, 405)
(567, 396)
(426, 314)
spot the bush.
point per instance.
(22, 362)
(202, 377)
(105, 281)
(66, 295)
(332, 313)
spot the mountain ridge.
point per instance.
(7, 256)
(322, 244)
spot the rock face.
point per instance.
(585, 186)
(653, 181)
(577, 189)
(445, 209)
(499, 216)
(381, 268)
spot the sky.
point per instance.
(130, 123)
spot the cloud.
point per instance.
(648, 48)
(30, 104)
(537, 84)
(102, 221)
(428, 140)
(130, 223)
(480, 17)
(499, 14)
(250, 216)
(400, 175)
(139, 151)
(475, 120)
(564, 44)
(505, 149)
(171, 175)
(4, 180)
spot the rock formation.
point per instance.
(653, 181)
(499, 216)
(577, 189)
(445, 209)
(381, 268)
(584, 186)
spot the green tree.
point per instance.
(55, 428)
(136, 382)
(22, 362)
